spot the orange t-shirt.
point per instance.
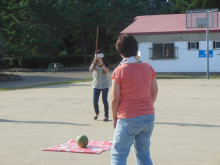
(135, 89)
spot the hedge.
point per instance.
(9, 63)
(44, 61)
(36, 61)
(70, 60)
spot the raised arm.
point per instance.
(92, 65)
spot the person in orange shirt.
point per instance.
(134, 91)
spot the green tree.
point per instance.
(211, 4)
(179, 6)
(156, 7)
(2, 48)
(54, 27)
(11, 26)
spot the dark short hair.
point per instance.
(98, 51)
(127, 45)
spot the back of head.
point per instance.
(127, 45)
(98, 51)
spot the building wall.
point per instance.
(155, 38)
(187, 61)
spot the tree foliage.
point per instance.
(66, 27)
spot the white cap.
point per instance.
(100, 55)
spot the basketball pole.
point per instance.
(207, 39)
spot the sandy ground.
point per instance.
(187, 126)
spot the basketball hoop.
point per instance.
(202, 18)
(201, 26)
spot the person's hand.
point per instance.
(101, 61)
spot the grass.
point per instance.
(48, 84)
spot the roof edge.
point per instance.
(172, 32)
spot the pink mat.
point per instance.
(94, 147)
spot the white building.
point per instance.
(166, 43)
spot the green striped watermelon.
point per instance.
(82, 141)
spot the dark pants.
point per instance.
(96, 94)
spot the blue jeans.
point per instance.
(96, 94)
(136, 131)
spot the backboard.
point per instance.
(202, 18)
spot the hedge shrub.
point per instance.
(70, 60)
(36, 61)
(44, 61)
(3, 64)
(9, 63)
(113, 58)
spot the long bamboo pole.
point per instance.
(97, 37)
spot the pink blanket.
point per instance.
(94, 147)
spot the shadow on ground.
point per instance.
(41, 122)
(187, 124)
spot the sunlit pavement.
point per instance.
(187, 126)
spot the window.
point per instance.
(169, 50)
(216, 44)
(163, 51)
(193, 45)
(158, 50)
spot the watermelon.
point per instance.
(82, 141)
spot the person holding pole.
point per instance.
(101, 83)
(134, 91)
(101, 80)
